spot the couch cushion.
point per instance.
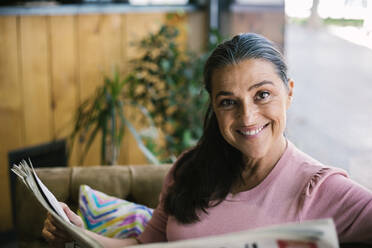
(110, 216)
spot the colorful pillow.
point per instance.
(110, 216)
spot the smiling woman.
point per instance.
(244, 173)
(250, 102)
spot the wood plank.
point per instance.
(65, 94)
(36, 79)
(260, 22)
(197, 31)
(91, 67)
(10, 111)
(64, 73)
(111, 41)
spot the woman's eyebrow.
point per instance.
(260, 84)
(223, 93)
(228, 93)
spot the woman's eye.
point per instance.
(262, 95)
(227, 102)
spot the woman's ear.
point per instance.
(290, 92)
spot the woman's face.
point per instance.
(250, 101)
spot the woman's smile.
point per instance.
(251, 132)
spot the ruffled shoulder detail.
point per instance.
(320, 176)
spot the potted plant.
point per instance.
(104, 112)
(167, 80)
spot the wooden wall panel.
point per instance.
(111, 42)
(90, 54)
(10, 111)
(65, 94)
(63, 73)
(197, 31)
(36, 79)
(260, 22)
(90, 64)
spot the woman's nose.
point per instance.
(248, 112)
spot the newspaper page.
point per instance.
(29, 177)
(309, 234)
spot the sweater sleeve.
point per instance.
(155, 230)
(330, 194)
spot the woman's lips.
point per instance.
(248, 132)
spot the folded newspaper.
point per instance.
(308, 234)
(27, 174)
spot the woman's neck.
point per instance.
(256, 170)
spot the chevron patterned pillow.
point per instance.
(110, 216)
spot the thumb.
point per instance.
(74, 218)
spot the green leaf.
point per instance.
(122, 122)
(165, 65)
(103, 141)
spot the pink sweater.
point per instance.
(298, 188)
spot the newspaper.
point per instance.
(308, 234)
(27, 174)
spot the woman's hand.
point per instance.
(55, 235)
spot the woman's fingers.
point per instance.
(52, 221)
(54, 232)
(54, 235)
(51, 227)
(74, 218)
(52, 240)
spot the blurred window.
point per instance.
(298, 8)
(347, 9)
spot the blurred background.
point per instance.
(328, 48)
(124, 78)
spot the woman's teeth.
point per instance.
(252, 132)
